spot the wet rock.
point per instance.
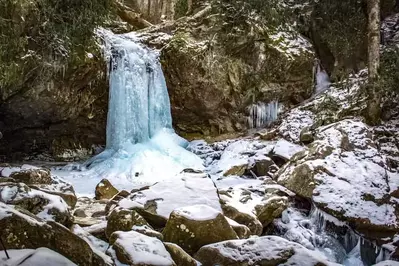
(135, 249)
(123, 220)
(266, 250)
(179, 256)
(195, 226)
(105, 190)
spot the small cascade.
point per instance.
(262, 114)
(141, 145)
(322, 79)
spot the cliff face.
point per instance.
(53, 87)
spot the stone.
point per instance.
(23, 230)
(33, 176)
(148, 231)
(346, 176)
(195, 226)
(266, 250)
(270, 209)
(105, 190)
(179, 256)
(135, 249)
(123, 220)
(241, 230)
(156, 203)
(46, 206)
(36, 257)
(306, 136)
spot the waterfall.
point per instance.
(322, 79)
(262, 114)
(141, 146)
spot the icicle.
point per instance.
(262, 114)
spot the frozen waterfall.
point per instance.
(262, 114)
(141, 146)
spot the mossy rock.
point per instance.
(123, 220)
(105, 190)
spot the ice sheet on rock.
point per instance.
(142, 249)
(198, 212)
(34, 257)
(186, 189)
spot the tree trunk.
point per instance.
(374, 109)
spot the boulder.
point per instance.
(253, 203)
(33, 176)
(148, 231)
(135, 249)
(41, 179)
(23, 230)
(266, 250)
(45, 206)
(35, 257)
(179, 256)
(105, 190)
(156, 203)
(345, 175)
(195, 226)
(123, 220)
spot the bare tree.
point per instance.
(374, 23)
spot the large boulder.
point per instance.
(346, 175)
(40, 179)
(155, 203)
(123, 220)
(251, 202)
(179, 255)
(45, 206)
(266, 250)
(195, 226)
(135, 249)
(36, 257)
(105, 190)
(23, 230)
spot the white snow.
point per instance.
(198, 213)
(32, 257)
(186, 189)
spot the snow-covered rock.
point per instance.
(46, 206)
(23, 230)
(133, 248)
(345, 175)
(195, 226)
(40, 179)
(266, 250)
(34, 257)
(162, 198)
(252, 202)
